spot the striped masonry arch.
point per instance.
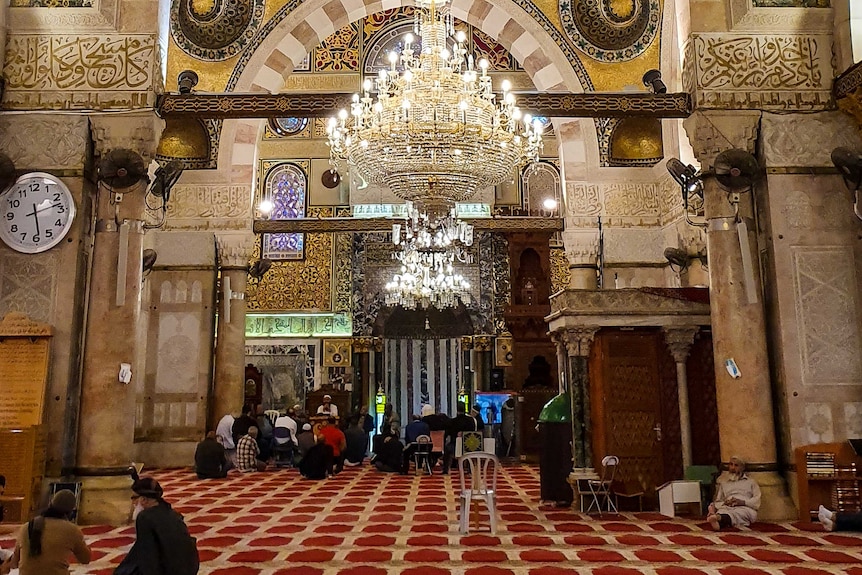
(313, 21)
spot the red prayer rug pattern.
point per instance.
(363, 522)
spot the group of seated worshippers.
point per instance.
(393, 456)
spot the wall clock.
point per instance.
(36, 213)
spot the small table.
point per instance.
(674, 492)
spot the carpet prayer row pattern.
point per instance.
(362, 522)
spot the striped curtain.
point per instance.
(420, 371)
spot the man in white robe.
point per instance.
(737, 498)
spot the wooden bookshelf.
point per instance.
(828, 474)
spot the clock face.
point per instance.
(36, 213)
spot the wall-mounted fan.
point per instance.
(679, 259)
(122, 169)
(690, 183)
(149, 260)
(849, 164)
(165, 178)
(259, 268)
(736, 170)
(7, 172)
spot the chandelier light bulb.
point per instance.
(461, 36)
(550, 204)
(506, 85)
(342, 114)
(265, 207)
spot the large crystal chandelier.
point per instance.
(435, 132)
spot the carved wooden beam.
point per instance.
(330, 225)
(551, 105)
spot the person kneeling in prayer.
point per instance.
(737, 498)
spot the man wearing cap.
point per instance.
(45, 544)
(163, 545)
(328, 408)
(737, 498)
(305, 439)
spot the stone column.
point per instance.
(562, 356)
(234, 250)
(107, 408)
(745, 416)
(582, 249)
(578, 342)
(679, 340)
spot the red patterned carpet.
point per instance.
(367, 523)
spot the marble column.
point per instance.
(107, 406)
(745, 414)
(234, 250)
(679, 341)
(562, 360)
(578, 342)
(582, 248)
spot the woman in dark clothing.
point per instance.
(163, 545)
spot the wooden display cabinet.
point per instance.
(828, 475)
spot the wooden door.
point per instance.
(626, 407)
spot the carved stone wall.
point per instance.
(805, 140)
(80, 72)
(209, 207)
(812, 276)
(759, 71)
(45, 142)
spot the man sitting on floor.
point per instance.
(737, 498)
(317, 463)
(247, 451)
(335, 439)
(388, 451)
(210, 459)
(357, 442)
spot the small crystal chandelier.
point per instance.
(435, 133)
(427, 251)
(427, 279)
(424, 232)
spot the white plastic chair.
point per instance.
(482, 469)
(601, 490)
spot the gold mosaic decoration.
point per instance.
(297, 285)
(339, 52)
(560, 274)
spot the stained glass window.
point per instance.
(285, 187)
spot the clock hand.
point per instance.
(57, 205)
(35, 217)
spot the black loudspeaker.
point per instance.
(497, 379)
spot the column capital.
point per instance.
(582, 247)
(139, 132)
(679, 340)
(711, 133)
(234, 249)
(579, 339)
